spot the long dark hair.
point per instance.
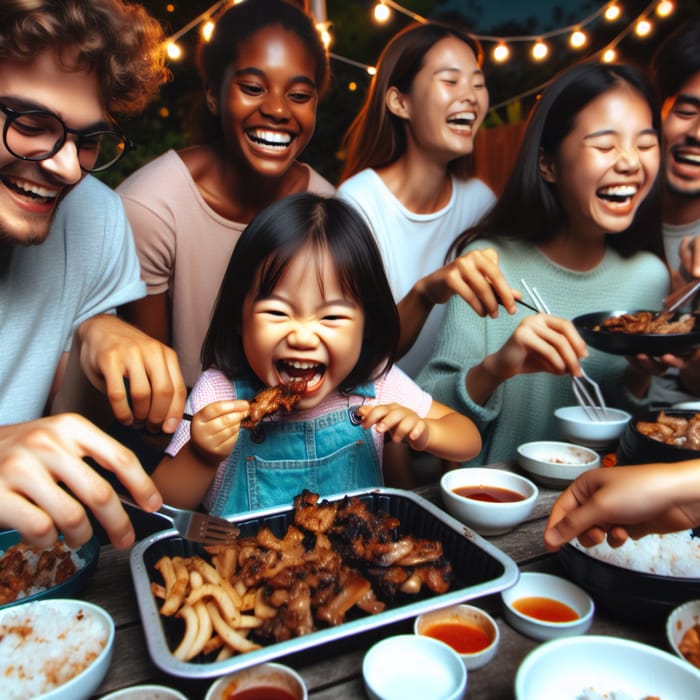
(238, 24)
(529, 208)
(260, 257)
(376, 137)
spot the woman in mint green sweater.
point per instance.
(574, 220)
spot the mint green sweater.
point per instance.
(522, 408)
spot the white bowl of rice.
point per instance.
(56, 649)
(656, 573)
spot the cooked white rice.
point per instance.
(676, 554)
(44, 646)
(591, 694)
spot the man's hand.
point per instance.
(112, 352)
(37, 456)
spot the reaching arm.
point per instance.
(443, 432)
(622, 502)
(38, 456)
(113, 352)
(475, 276)
(151, 315)
(185, 478)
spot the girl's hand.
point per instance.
(215, 428)
(476, 277)
(400, 422)
(540, 343)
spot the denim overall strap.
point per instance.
(328, 454)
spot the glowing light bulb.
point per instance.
(326, 37)
(609, 55)
(612, 12)
(164, 112)
(540, 50)
(170, 7)
(500, 52)
(371, 70)
(207, 30)
(643, 27)
(381, 12)
(578, 39)
(664, 8)
(352, 86)
(173, 50)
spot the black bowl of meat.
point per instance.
(671, 435)
(640, 332)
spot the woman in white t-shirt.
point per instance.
(408, 171)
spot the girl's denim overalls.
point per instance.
(327, 455)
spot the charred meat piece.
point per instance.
(271, 399)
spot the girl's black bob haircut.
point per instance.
(263, 252)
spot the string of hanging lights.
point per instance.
(541, 49)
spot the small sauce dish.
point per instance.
(469, 630)
(490, 501)
(268, 681)
(547, 607)
(683, 632)
(413, 666)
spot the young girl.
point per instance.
(573, 221)
(304, 296)
(408, 171)
(264, 70)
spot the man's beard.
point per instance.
(682, 193)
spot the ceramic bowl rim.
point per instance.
(288, 670)
(624, 416)
(466, 607)
(674, 617)
(445, 650)
(528, 483)
(102, 659)
(559, 444)
(583, 619)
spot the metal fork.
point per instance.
(594, 408)
(194, 526)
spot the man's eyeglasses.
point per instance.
(35, 134)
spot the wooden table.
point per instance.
(333, 672)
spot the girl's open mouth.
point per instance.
(312, 372)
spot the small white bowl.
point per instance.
(260, 676)
(413, 666)
(65, 621)
(556, 464)
(488, 518)
(480, 636)
(145, 692)
(576, 426)
(681, 620)
(537, 585)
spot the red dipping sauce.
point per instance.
(462, 637)
(260, 693)
(545, 609)
(491, 494)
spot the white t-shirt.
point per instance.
(414, 245)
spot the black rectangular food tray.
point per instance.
(479, 569)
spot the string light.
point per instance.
(540, 50)
(642, 28)
(381, 12)
(664, 8)
(612, 12)
(207, 30)
(578, 39)
(500, 52)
